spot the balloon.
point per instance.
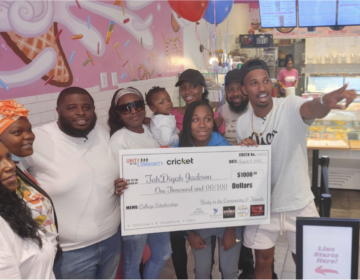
(222, 9)
(190, 10)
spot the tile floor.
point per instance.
(345, 204)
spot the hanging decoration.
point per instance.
(190, 10)
(220, 12)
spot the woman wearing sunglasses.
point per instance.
(126, 116)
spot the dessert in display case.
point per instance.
(338, 125)
(339, 129)
(338, 137)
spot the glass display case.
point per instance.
(342, 130)
(338, 125)
(323, 84)
(316, 84)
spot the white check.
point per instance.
(194, 188)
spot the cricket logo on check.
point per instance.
(180, 161)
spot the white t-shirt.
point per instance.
(164, 130)
(78, 174)
(23, 258)
(230, 119)
(125, 139)
(286, 133)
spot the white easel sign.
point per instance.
(327, 248)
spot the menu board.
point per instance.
(349, 12)
(317, 13)
(276, 14)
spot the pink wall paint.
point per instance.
(154, 58)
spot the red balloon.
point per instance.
(190, 10)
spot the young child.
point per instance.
(200, 130)
(163, 124)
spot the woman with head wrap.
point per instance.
(16, 134)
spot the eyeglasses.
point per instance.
(125, 109)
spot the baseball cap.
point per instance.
(192, 76)
(233, 76)
(251, 65)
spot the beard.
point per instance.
(238, 109)
(68, 129)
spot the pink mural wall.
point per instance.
(38, 53)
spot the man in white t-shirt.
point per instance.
(282, 123)
(236, 105)
(73, 163)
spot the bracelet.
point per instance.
(321, 99)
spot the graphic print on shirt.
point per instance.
(40, 204)
(290, 79)
(265, 139)
(230, 126)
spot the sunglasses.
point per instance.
(125, 109)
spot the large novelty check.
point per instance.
(194, 188)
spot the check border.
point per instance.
(153, 152)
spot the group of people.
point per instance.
(59, 209)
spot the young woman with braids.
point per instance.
(200, 130)
(25, 250)
(199, 127)
(192, 88)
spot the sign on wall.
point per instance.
(327, 248)
(295, 32)
(46, 46)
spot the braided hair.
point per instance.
(14, 211)
(186, 137)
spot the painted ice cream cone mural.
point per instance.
(59, 43)
(30, 50)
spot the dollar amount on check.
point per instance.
(194, 188)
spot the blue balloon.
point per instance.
(223, 8)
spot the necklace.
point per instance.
(252, 124)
